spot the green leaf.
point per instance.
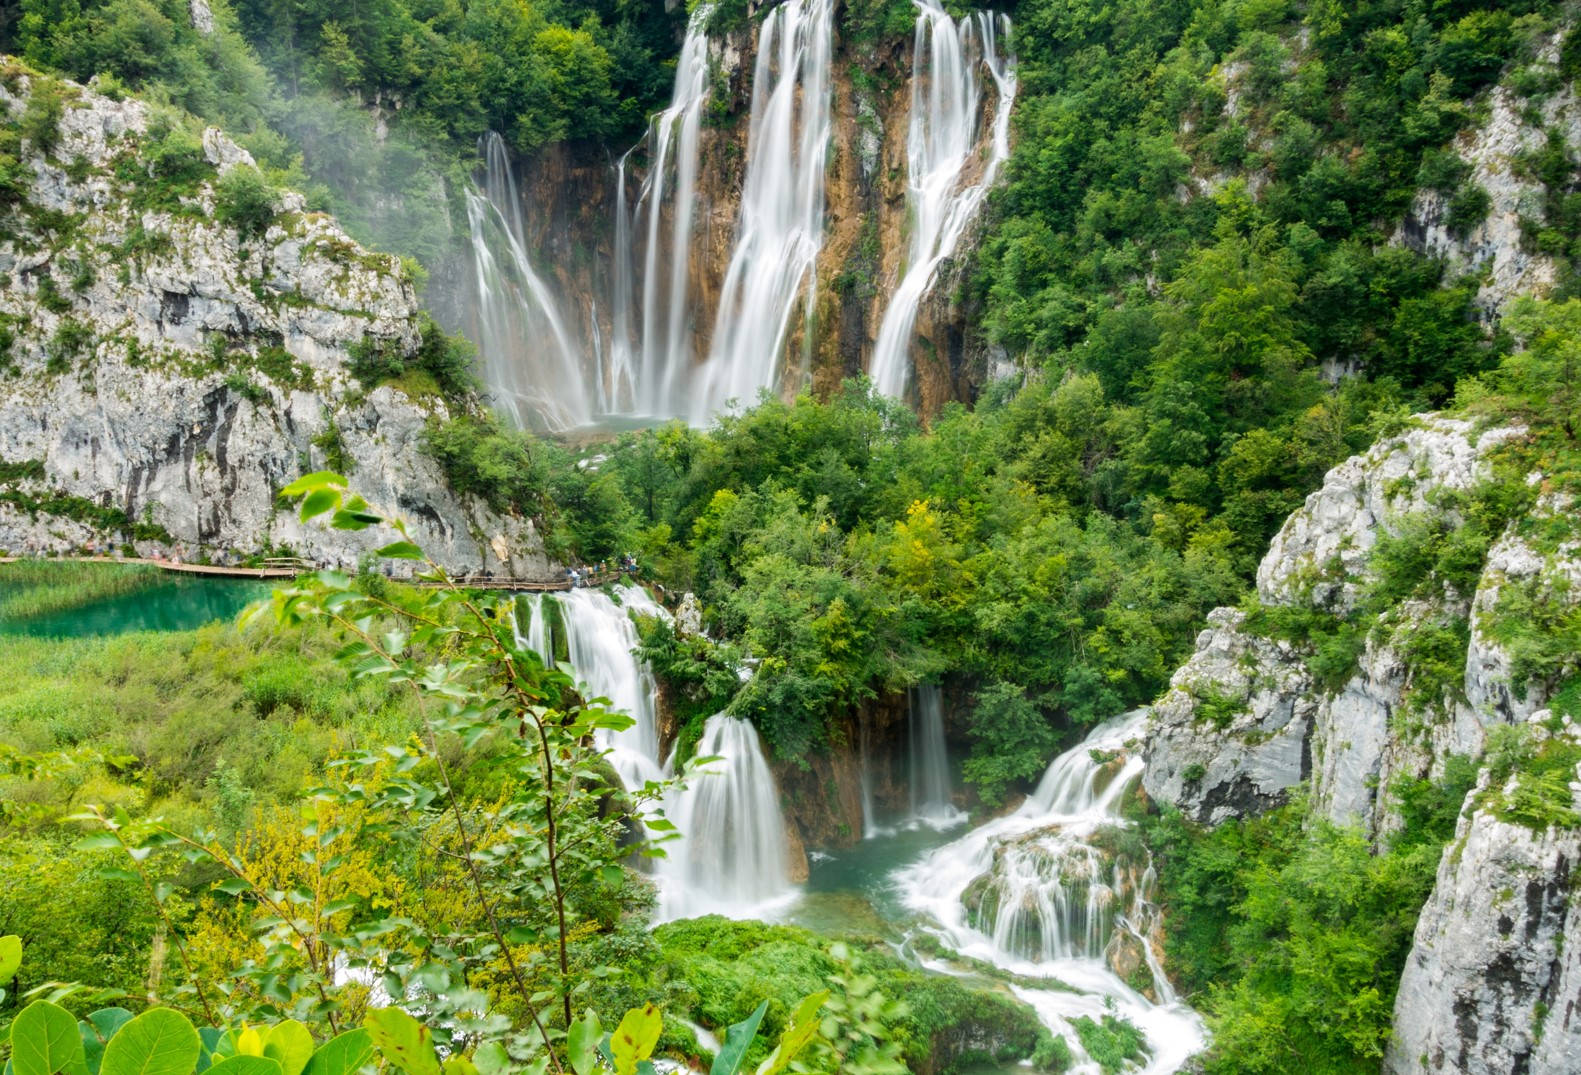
(158, 1042)
(582, 1042)
(635, 1038)
(738, 1037)
(98, 1029)
(246, 1065)
(490, 1058)
(402, 550)
(799, 1030)
(235, 886)
(459, 1065)
(45, 1040)
(307, 483)
(344, 1054)
(405, 1042)
(291, 1045)
(354, 520)
(319, 501)
(10, 957)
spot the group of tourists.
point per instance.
(588, 575)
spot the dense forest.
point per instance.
(1195, 274)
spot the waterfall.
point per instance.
(536, 637)
(780, 227)
(601, 641)
(730, 857)
(942, 195)
(666, 352)
(528, 359)
(931, 800)
(1052, 888)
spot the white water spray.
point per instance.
(780, 228)
(528, 359)
(942, 150)
(730, 858)
(1048, 897)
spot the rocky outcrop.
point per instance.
(1246, 719)
(1495, 246)
(172, 364)
(1493, 981)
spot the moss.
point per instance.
(72, 339)
(1112, 1042)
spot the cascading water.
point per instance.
(941, 147)
(536, 637)
(931, 800)
(730, 858)
(528, 359)
(601, 641)
(1051, 889)
(780, 228)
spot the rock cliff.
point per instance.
(170, 361)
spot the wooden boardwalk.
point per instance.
(285, 568)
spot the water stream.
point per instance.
(529, 362)
(932, 801)
(946, 177)
(780, 227)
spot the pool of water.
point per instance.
(172, 603)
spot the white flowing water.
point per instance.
(1050, 903)
(780, 227)
(529, 362)
(946, 175)
(536, 637)
(932, 802)
(601, 641)
(730, 858)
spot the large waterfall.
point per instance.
(945, 178)
(931, 799)
(529, 362)
(731, 855)
(1052, 890)
(780, 229)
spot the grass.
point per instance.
(30, 589)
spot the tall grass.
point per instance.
(30, 589)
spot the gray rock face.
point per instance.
(1493, 985)
(1493, 149)
(1244, 720)
(165, 368)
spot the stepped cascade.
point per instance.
(931, 800)
(664, 352)
(528, 357)
(1040, 892)
(941, 150)
(730, 858)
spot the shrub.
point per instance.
(244, 200)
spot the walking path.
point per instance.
(286, 568)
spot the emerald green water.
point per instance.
(173, 603)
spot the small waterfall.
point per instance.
(601, 641)
(780, 228)
(730, 858)
(931, 800)
(942, 196)
(1053, 889)
(528, 359)
(536, 637)
(870, 827)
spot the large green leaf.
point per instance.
(246, 1065)
(96, 1032)
(582, 1042)
(158, 1042)
(405, 1042)
(10, 957)
(291, 1045)
(45, 1040)
(344, 1054)
(635, 1037)
(738, 1036)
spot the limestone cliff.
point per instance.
(166, 371)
